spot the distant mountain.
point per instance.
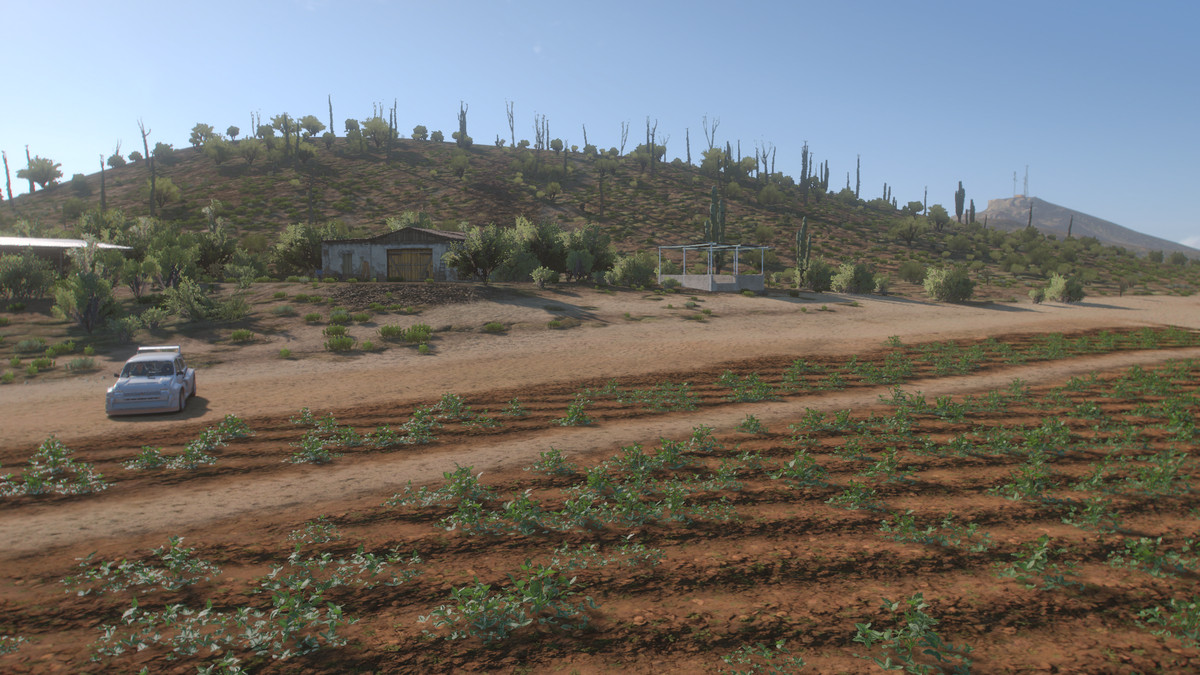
(1013, 213)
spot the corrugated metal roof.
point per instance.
(45, 242)
(402, 234)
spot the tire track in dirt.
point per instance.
(43, 528)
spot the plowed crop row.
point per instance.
(1014, 529)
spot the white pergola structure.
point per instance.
(710, 281)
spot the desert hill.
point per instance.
(640, 204)
(1013, 213)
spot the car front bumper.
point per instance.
(140, 405)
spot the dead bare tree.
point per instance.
(512, 129)
(624, 137)
(150, 163)
(103, 195)
(7, 179)
(710, 133)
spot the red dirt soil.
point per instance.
(792, 567)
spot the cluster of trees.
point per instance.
(164, 267)
(514, 254)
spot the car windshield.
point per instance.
(148, 369)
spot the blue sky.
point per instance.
(1098, 98)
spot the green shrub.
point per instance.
(56, 350)
(882, 284)
(30, 345)
(339, 316)
(285, 353)
(544, 275)
(242, 335)
(819, 275)
(391, 331)
(154, 317)
(8, 378)
(283, 310)
(361, 317)
(81, 364)
(15, 362)
(42, 363)
(423, 349)
(953, 285)
(368, 346)
(340, 343)
(1065, 289)
(279, 295)
(493, 327)
(3, 320)
(312, 317)
(418, 332)
(638, 269)
(853, 278)
(911, 271)
(334, 331)
(1037, 295)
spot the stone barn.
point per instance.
(407, 254)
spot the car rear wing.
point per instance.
(159, 348)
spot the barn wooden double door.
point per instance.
(410, 264)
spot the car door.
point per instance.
(189, 379)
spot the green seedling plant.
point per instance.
(1180, 619)
(913, 646)
(420, 428)
(1161, 475)
(746, 389)
(1094, 513)
(1150, 556)
(576, 415)
(298, 621)
(751, 425)
(536, 595)
(317, 531)
(171, 568)
(515, 409)
(903, 527)
(53, 470)
(149, 458)
(10, 643)
(856, 496)
(552, 463)
(703, 441)
(888, 467)
(800, 471)
(1033, 569)
(1029, 481)
(590, 556)
(760, 658)
(461, 485)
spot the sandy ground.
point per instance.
(253, 381)
(831, 565)
(621, 334)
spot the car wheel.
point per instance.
(193, 388)
(182, 400)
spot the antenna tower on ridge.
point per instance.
(1014, 183)
(1026, 180)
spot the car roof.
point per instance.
(152, 356)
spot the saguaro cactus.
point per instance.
(803, 249)
(714, 227)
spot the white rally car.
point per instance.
(155, 380)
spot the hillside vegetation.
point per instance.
(351, 186)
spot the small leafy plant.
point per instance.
(913, 645)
